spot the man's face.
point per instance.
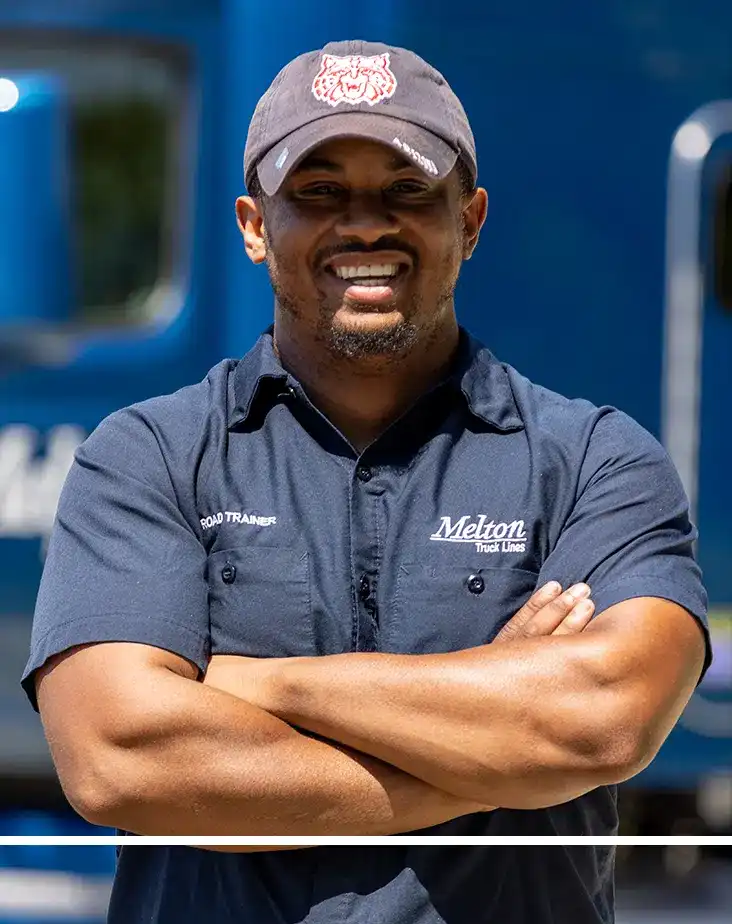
(363, 248)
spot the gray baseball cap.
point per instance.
(357, 89)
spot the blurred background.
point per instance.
(71, 885)
(604, 135)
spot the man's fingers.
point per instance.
(517, 624)
(577, 619)
(538, 600)
(545, 611)
(550, 617)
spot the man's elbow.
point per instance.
(622, 755)
(599, 739)
(95, 804)
(635, 692)
(566, 762)
(99, 791)
(103, 775)
(588, 745)
(627, 741)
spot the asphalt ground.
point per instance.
(701, 896)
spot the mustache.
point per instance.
(384, 243)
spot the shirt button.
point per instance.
(476, 584)
(363, 473)
(364, 587)
(228, 574)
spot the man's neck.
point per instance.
(363, 397)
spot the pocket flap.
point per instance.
(259, 602)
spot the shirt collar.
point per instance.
(485, 383)
(481, 378)
(256, 368)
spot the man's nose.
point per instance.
(367, 219)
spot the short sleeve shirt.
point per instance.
(232, 517)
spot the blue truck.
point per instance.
(604, 134)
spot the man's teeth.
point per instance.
(375, 270)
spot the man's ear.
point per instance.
(474, 213)
(251, 224)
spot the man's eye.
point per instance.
(407, 188)
(319, 191)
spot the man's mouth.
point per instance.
(375, 274)
(372, 280)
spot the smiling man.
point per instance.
(329, 578)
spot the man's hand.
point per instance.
(550, 612)
(547, 612)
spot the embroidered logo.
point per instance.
(354, 79)
(424, 162)
(489, 536)
(236, 516)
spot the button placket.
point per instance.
(364, 587)
(365, 501)
(364, 473)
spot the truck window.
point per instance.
(722, 249)
(128, 102)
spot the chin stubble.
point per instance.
(350, 343)
(341, 342)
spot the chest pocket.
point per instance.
(440, 608)
(259, 602)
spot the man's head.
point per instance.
(360, 166)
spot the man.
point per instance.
(333, 533)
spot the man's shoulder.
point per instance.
(171, 424)
(572, 434)
(190, 405)
(541, 405)
(560, 418)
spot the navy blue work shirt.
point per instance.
(231, 517)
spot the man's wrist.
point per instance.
(281, 687)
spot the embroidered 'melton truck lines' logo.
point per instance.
(354, 79)
(487, 535)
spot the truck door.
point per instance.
(697, 406)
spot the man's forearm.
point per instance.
(210, 764)
(429, 715)
(520, 729)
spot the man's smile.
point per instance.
(374, 279)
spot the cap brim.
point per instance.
(430, 153)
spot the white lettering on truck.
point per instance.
(31, 482)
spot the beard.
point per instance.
(347, 342)
(351, 343)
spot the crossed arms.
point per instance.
(526, 727)
(397, 743)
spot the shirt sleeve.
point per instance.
(123, 564)
(628, 533)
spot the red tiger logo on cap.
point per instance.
(354, 79)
